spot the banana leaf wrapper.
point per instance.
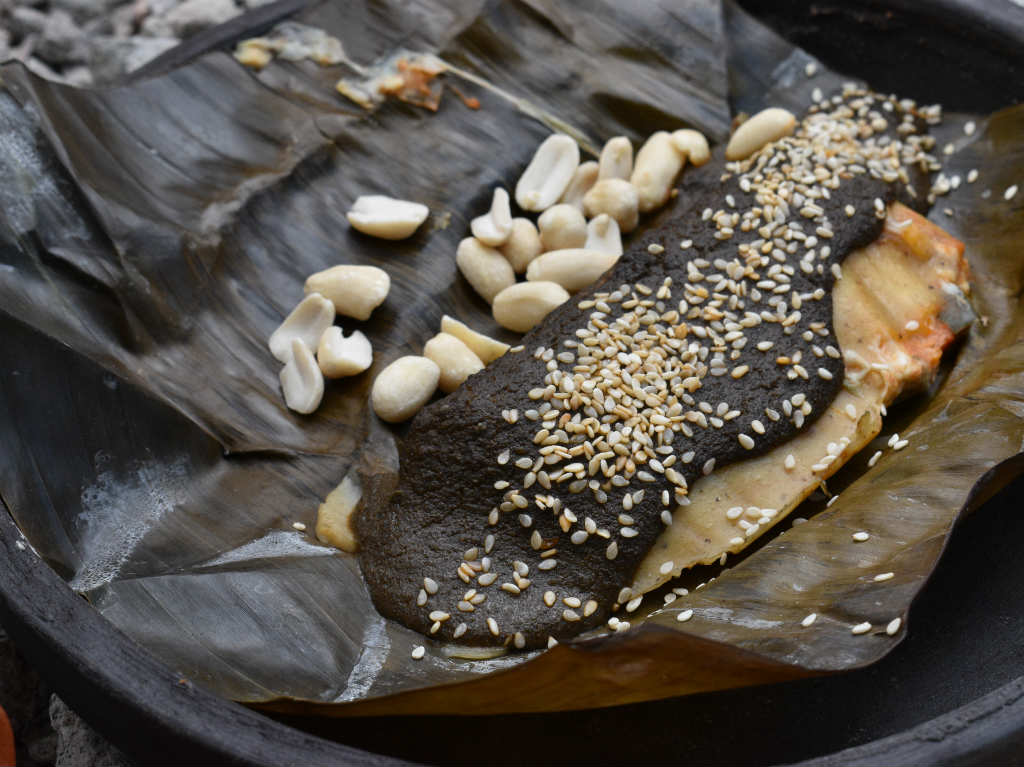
(153, 235)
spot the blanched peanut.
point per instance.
(523, 245)
(355, 290)
(403, 387)
(692, 145)
(573, 269)
(603, 235)
(307, 322)
(582, 180)
(523, 305)
(486, 348)
(763, 128)
(615, 197)
(334, 516)
(562, 226)
(494, 227)
(456, 360)
(301, 380)
(386, 217)
(485, 268)
(339, 356)
(548, 174)
(616, 159)
(657, 164)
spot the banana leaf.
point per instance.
(153, 235)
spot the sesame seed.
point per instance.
(1010, 192)
(851, 411)
(421, 598)
(570, 615)
(824, 373)
(666, 567)
(969, 128)
(552, 642)
(810, 69)
(884, 576)
(972, 176)
(860, 536)
(746, 441)
(418, 652)
(655, 249)
(912, 326)
(900, 444)
(861, 628)
(492, 626)
(893, 626)
(430, 585)
(790, 462)
(808, 620)
(874, 458)
(684, 616)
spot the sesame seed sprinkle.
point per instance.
(860, 536)
(619, 403)
(1010, 192)
(861, 628)
(809, 619)
(893, 626)
(684, 616)
(418, 652)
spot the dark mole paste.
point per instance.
(450, 459)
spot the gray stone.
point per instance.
(196, 15)
(24, 22)
(80, 76)
(126, 19)
(79, 744)
(112, 58)
(42, 69)
(83, 10)
(160, 7)
(156, 26)
(23, 50)
(62, 40)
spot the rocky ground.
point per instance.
(87, 42)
